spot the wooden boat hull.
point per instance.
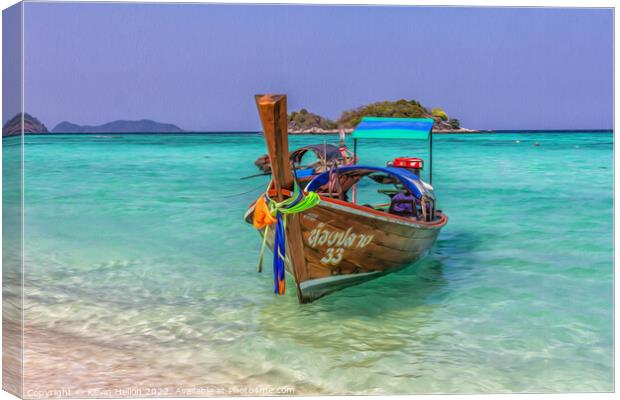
(345, 244)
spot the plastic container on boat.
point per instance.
(408, 162)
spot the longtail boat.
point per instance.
(326, 157)
(320, 235)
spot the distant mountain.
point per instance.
(13, 126)
(121, 126)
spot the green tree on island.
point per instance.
(440, 113)
(304, 120)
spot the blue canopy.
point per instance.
(393, 128)
(410, 180)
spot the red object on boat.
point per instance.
(408, 162)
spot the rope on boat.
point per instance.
(267, 212)
(242, 193)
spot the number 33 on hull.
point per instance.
(327, 242)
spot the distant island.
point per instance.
(305, 122)
(33, 126)
(120, 126)
(299, 122)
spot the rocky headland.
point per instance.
(13, 127)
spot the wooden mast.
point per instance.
(272, 111)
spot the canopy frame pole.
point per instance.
(430, 169)
(354, 189)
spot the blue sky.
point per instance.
(199, 65)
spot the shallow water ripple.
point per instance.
(140, 269)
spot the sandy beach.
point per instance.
(95, 369)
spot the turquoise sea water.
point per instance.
(137, 243)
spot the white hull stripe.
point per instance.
(334, 279)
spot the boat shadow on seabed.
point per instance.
(414, 293)
(424, 282)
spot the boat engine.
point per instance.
(413, 164)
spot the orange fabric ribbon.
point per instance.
(262, 215)
(281, 286)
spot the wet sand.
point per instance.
(61, 365)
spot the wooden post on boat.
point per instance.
(272, 112)
(273, 116)
(341, 136)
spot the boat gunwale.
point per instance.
(385, 216)
(369, 212)
(438, 224)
